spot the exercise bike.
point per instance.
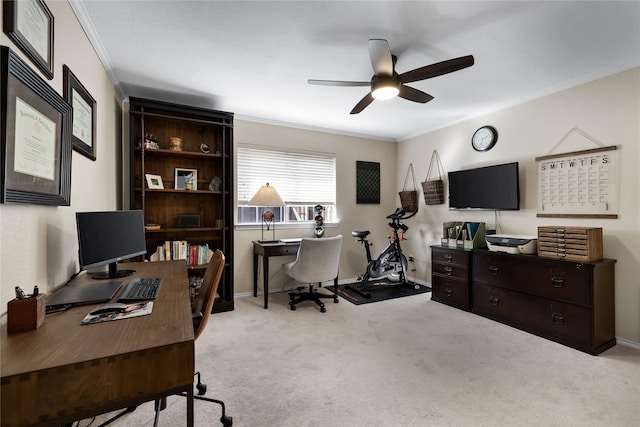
(391, 264)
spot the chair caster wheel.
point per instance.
(323, 310)
(202, 388)
(293, 307)
(226, 421)
(336, 300)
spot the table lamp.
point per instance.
(269, 197)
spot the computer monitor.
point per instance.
(108, 237)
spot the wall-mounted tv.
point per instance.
(490, 188)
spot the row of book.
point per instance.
(181, 249)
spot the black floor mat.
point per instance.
(381, 291)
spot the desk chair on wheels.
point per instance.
(317, 261)
(201, 310)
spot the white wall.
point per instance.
(38, 244)
(352, 216)
(607, 109)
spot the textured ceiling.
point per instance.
(253, 58)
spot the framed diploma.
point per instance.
(35, 137)
(83, 132)
(29, 24)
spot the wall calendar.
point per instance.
(580, 184)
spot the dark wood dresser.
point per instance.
(451, 277)
(565, 301)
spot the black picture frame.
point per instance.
(367, 182)
(35, 137)
(83, 115)
(37, 41)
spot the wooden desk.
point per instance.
(63, 372)
(267, 250)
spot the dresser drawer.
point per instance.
(561, 280)
(454, 292)
(567, 322)
(448, 256)
(450, 271)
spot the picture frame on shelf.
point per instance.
(29, 24)
(186, 179)
(154, 182)
(36, 141)
(83, 106)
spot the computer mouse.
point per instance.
(116, 307)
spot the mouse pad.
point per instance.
(88, 293)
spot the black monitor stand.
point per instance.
(113, 272)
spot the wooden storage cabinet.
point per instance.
(572, 243)
(568, 302)
(450, 276)
(199, 129)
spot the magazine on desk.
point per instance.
(132, 310)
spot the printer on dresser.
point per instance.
(559, 298)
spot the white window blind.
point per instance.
(301, 178)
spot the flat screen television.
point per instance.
(490, 188)
(104, 238)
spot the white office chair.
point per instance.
(317, 261)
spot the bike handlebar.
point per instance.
(400, 213)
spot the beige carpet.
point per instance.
(403, 362)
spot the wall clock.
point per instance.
(484, 138)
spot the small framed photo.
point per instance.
(154, 181)
(186, 179)
(84, 114)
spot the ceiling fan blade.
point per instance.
(437, 69)
(364, 102)
(380, 55)
(337, 83)
(415, 95)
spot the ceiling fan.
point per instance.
(387, 83)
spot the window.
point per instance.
(303, 180)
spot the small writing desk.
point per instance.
(267, 250)
(63, 372)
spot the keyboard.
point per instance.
(141, 289)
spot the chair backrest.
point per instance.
(207, 294)
(317, 260)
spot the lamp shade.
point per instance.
(266, 196)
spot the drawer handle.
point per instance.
(557, 318)
(558, 282)
(448, 257)
(448, 270)
(493, 269)
(494, 300)
(448, 291)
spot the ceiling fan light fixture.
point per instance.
(385, 90)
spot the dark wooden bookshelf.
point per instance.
(195, 126)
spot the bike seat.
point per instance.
(360, 234)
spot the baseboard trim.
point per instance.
(628, 343)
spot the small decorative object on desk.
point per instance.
(25, 313)
(204, 147)
(215, 184)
